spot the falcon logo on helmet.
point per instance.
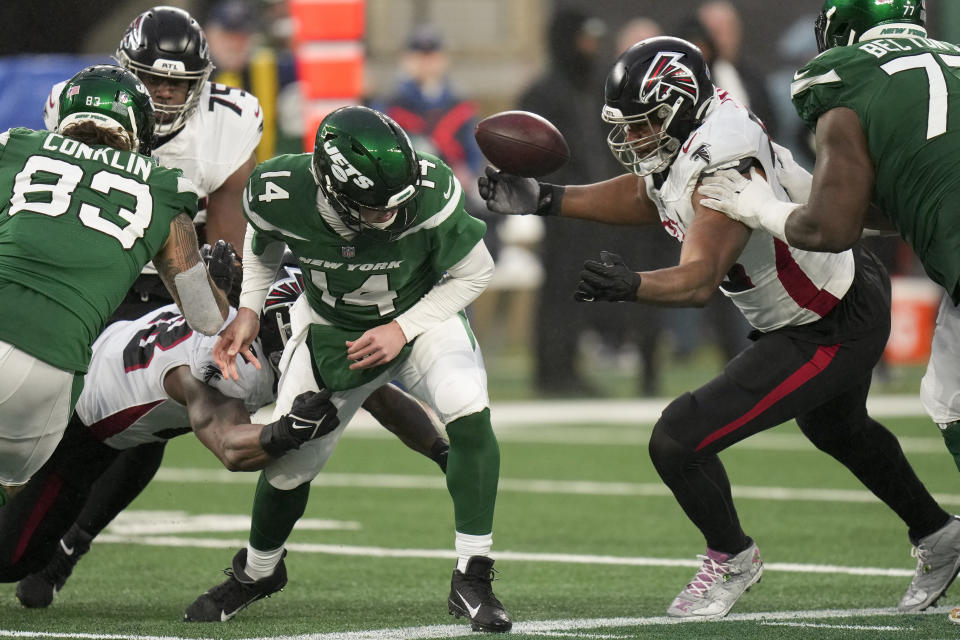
(134, 35)
(667, 75)
(656, 94)
(275, 328)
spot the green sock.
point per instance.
(274, 513)
(473, 468)
(951, 436)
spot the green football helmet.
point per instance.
(363, 159)
(843, 22)
(111, 97)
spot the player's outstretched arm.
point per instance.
(223, 425)
(622, 200)
(403, 416)
(710, 248)
(181, 268)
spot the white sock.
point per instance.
(261, 564)
(468, 546)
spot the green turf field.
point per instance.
(587, 541)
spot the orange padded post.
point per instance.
(328, 45)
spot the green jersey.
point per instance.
(358, 281)
(906, 93)
(77, 225)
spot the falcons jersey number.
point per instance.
(219, 95)
(165, 331)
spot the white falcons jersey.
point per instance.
(774, 285)
(123, 402)
(217, 138)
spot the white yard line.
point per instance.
(816, 625)
(561, 558)
(563, 487)
(542, 627)
(615, 411)
(554, 626)
(628, 422)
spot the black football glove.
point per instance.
(512, 195)
(610, 279)
(312, 415)
(221, 261)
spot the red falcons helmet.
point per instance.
(275, 318)
(661, 85)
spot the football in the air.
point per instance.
(522, 143)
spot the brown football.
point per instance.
(522, 143)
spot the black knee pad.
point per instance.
(667, 448)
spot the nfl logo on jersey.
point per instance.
(348, 252)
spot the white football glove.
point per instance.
(751, 202)
(792, 177)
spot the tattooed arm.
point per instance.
(182, 271)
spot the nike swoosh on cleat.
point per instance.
(471, 610)
(67, 550)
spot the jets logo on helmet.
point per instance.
(667, 75)
(341, 169)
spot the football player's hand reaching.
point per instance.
(221, 261)
(512, 195)
(237, 338)
(313, 415)
(376, 346)
(610, 279)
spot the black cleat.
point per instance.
(471, 595)
(37, 590)
(225, 600)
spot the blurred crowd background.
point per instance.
(438, 66)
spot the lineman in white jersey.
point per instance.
(209, 131)
(150, 380)
(821, 320)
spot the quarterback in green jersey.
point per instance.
(884, 102)
(84, 214)
(390, 259)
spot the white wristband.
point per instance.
(773, 217)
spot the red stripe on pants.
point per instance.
(47, 497)
(823, 357)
